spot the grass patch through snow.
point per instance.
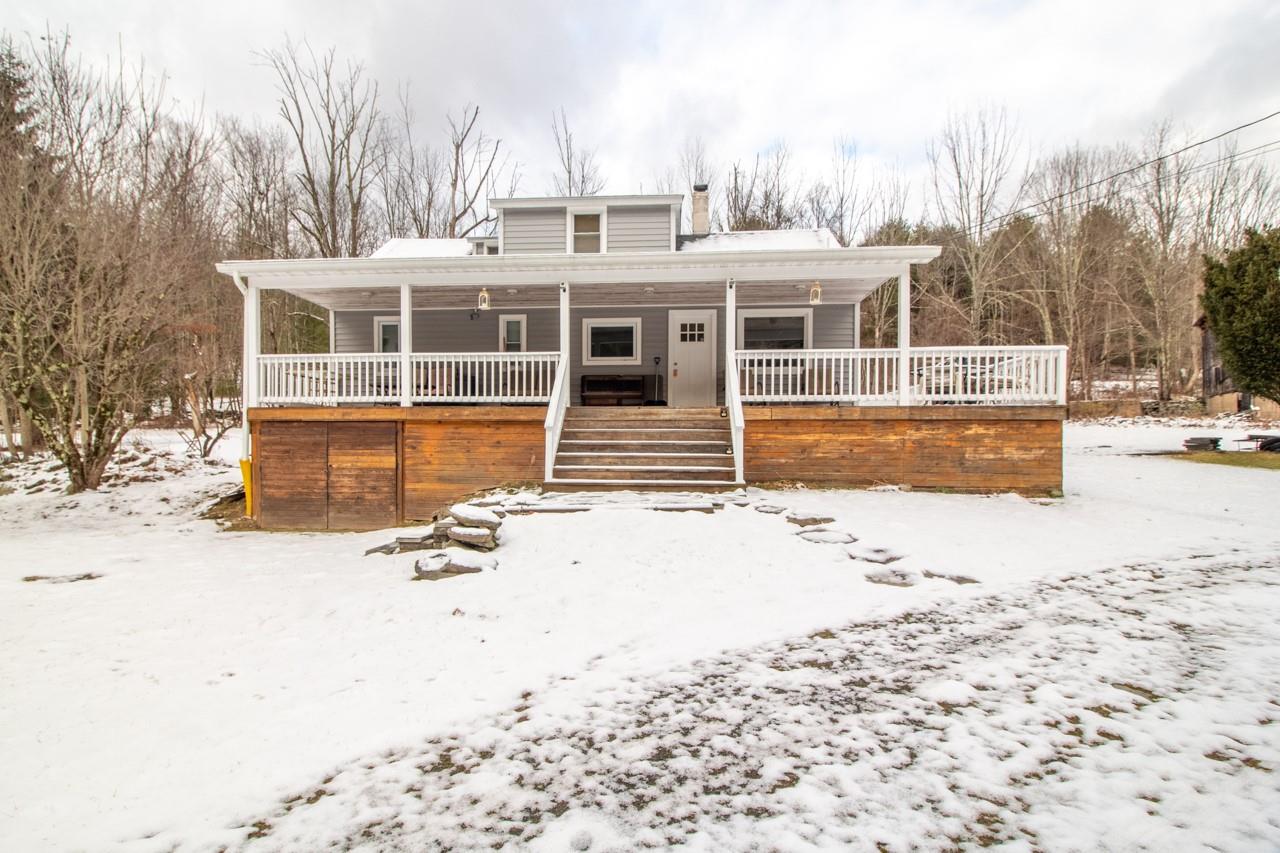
(1269, 461)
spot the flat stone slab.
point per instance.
(893, 577)
(479, 537)
(450, 562)
(475, 516)
(956, 579)
(827, 537)
(769, 509)
(867, 554)
(809, 520)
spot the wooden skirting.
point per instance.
(963, 448)
(360, 468)
(354, 468)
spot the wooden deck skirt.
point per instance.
(354, 468)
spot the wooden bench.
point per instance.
(612, 390)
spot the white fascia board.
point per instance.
(576, 202)
(618, 268)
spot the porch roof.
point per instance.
(659, 278)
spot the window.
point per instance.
(386, 334)
(511, 337)
(611, 341)
(586, 233)
(693, 333)
(775, 328)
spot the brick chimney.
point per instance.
(701, 210)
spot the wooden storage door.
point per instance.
(362, 475)
(292, 475)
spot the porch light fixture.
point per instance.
(815, 294)
(482, 303)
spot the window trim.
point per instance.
(806, 313)
(503, 319)
(378, 322)
(570, 212)
(590, 322)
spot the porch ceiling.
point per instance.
(634, 294)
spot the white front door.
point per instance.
(691, 358)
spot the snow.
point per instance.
(739, 241)
(475, 516)
(432, 247)
(1120, 643)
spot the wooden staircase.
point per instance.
(644, 447)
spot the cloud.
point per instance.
(639, 78)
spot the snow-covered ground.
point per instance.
(1122, 640)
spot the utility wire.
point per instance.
(1130, 170)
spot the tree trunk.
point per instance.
(6, 423)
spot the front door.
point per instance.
(691, 358)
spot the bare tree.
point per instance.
(86, 281)
(477, 166)
(977, 177)
(413, 182)
(333, 117)
(838, 202)
(763, 197)
(577, 172)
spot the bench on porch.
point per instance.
(613, 389)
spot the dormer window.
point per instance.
(586, 233)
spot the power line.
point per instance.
(1130, 170)
(1244, 156)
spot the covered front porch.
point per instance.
(740, 343)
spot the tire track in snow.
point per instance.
(1132, 708)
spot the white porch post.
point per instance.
(857, 325)
(904, 337)
(564, 325)
(249, 366)
(730, 333)
(406, 344)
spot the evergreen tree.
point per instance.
(1242, 305)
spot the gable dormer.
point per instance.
(588, 224)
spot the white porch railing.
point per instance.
(992, 375)
(996, 375)
(332, 378)
(557, 406)
(818, 375)
(328, 379)
(483, 377)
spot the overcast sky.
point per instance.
(637, 78)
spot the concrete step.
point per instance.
(651, 472)
(720, 436)
(639, 412)
(625, 446)
(578, 485)
(637, 423)
(631, 459)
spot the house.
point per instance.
(589, 344)
(1220, 393)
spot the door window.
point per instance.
(511, 333)
(388, 335)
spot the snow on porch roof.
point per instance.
(608, 269)
(407, 247)
(746, 241)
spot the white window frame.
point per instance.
(378, 323)
(570, 212)
(806, 313)
(588, 323)
(503, 319)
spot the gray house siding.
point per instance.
(533, 232)
(639, 229)
(449, 331)
(455, 331)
